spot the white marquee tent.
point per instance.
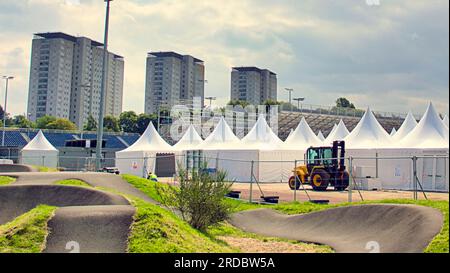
(408, 125)
(368, 134)
(39, 151)
(139, 158)
(429, 133)
(428, 140)
(261, 145)
(339, 133)
(393, 132)
(191, 140)
(221, 138)
(320, 136)
(302, 138)
(446, 120)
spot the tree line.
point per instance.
(128, 122)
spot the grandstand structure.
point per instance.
(288, 121)
(70, 158)
(20, 137)
(76, 157)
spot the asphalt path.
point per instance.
(352, 229)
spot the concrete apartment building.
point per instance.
(172, 79)
(66, 78)
(253, 85)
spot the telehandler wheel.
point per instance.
(293, 184)
(343, 182)
(320, 180)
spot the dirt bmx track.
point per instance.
(394, 228)
(100, 221)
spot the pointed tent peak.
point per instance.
(394, 131)
(290, 132)
(261, 136)
(39, 143)
(445, 120)
(150, 140)
(407, 126)
(191, 139)
(339, 133)
(368, 133)
(335, 126)
(430, 132)
(221, 138)
(320, 135)
(302, 137)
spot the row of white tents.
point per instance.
(264, 156)
(273, 159)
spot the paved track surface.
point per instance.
(93, 229)
(99, 222)
(9, 168)
(16, 200)
(104, 180)
(394, 228)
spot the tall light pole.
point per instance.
(290, 90)
(98, 148)
(298, 102)
(6, 78)
(210, 100)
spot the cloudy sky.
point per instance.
(393, 56)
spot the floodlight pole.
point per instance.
(6, 78)
(98, 148)
(290, 90)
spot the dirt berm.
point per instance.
(87, 220)
(16, 168)
(366, 228)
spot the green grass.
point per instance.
(226, 229)
(223, 229)
(156, 230)
(5, 180)
(146, 186)
(72, 182)
(44, 169)
(440, 244)
(27, 233)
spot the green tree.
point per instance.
(144, 120)
(128, 121)
(43, 121)
(242, 103)
(91, 124)
(110, 123)
(61, 124)
(344, 103)
(20, 121)
(270, 102)
(200, 197)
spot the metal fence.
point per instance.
(371, 178)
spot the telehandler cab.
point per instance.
(325, 166)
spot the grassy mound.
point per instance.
(224, 229)
(440, 243)
(44, 169)
(5, 180)
(27, 233)
(150, 188)
(156, 230)
(72, 182)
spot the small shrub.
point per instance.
(199, 199)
